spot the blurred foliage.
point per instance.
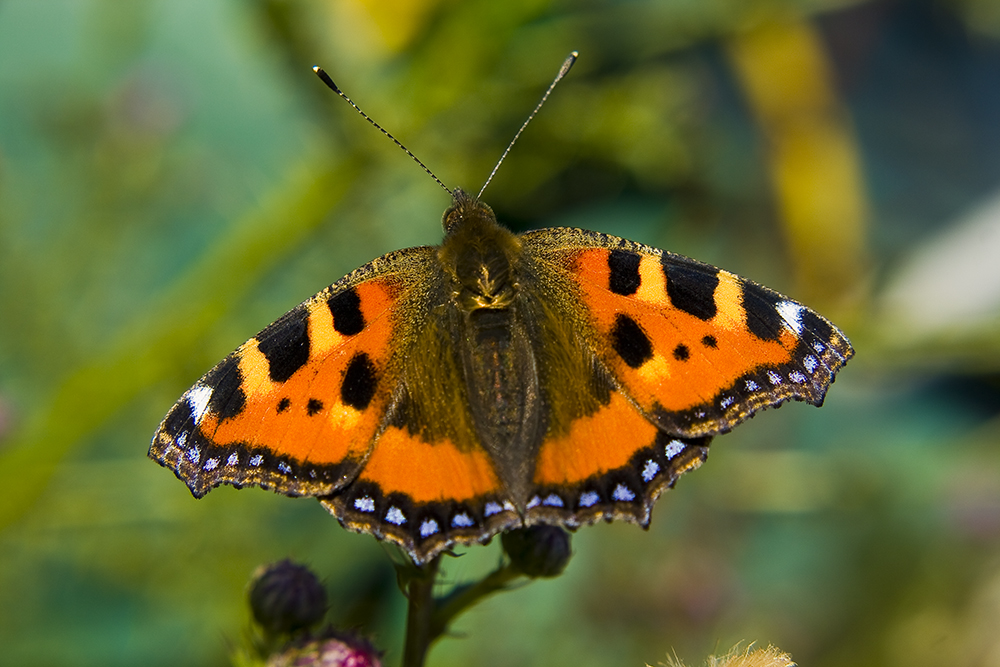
(173, 178)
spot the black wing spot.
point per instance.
(284, 404)
(313, 406)
(624, 266)
(817, 326)
(345, 307)
(179, 419)
(691, 289)
(761, 306)
(285, 344)
(630, 341)
(709, 341)
(359, 382)
(681, 352)
(226, 381)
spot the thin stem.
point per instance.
(463, 597)
(420, 592)
(428, 617)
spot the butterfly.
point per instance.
(440, 395)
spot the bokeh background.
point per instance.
(173, 177)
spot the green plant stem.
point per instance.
(463, 597)
(428, 617)
(420, 591)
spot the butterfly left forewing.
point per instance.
(297, 407)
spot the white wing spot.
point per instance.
(622, 494)
(589, 499)
(492, 508)
(211, 464)
(752, 386)
(673, 448)
(509, 506)
(364, 504)
(198, 398)
(463, 520)
(552, 500)
(810, 363)
(726, 402)
(791, 313)
(395, 516)
(649, 470)
(256, 460)
(797, 377)
(428, 527)
(774, 378)
(818, 346)
(534, 502)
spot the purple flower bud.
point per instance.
(285, 597)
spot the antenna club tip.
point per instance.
(325, 78)
(567, 64)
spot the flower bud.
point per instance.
(537, 551)
(285, 597)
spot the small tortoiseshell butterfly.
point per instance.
(440, 395)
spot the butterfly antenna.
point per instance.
(567, 64)
(325, 78)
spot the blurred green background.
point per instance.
(173, 177)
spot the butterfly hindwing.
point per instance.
(612, 464)
(424, 496)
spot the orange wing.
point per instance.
(308, 407)
(692, 351)
(424, 496)
(697, 348)
(297, 407)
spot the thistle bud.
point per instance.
(285, 597)
(537, 551)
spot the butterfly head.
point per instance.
(478, 254)
(464, 211)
